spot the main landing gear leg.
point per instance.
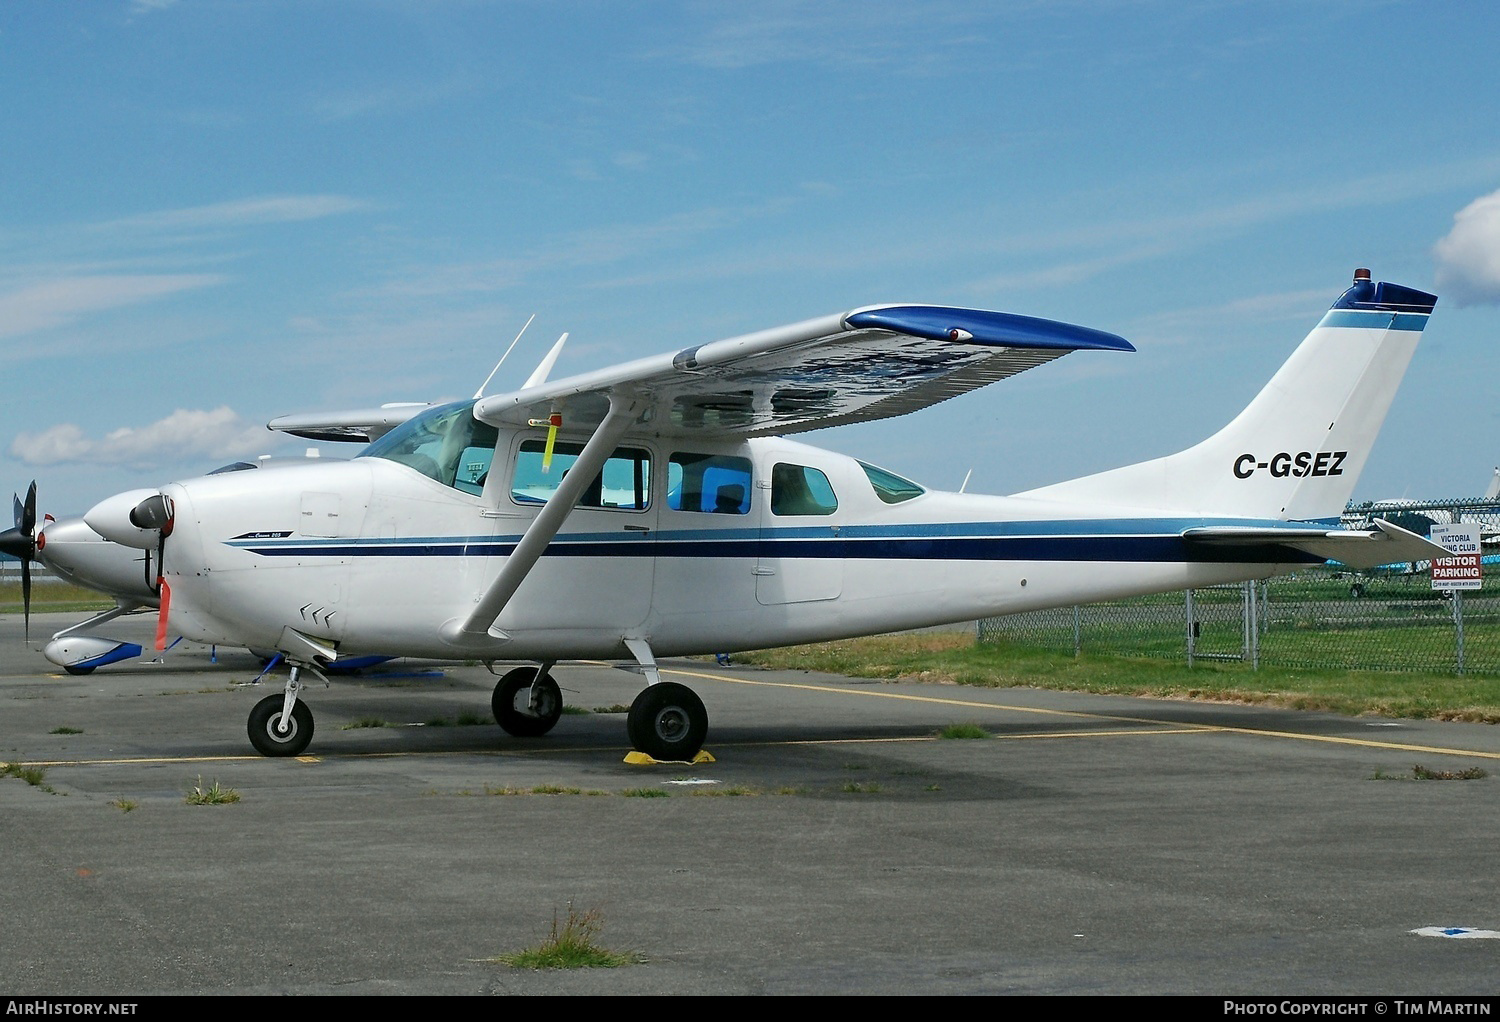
(667, 721)
(280, 725)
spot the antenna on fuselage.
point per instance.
(480, 392)
(965, 484)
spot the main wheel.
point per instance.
(77, 670)
(265, 727)
(667, 721)
(511, 703)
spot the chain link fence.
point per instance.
(1390, 619)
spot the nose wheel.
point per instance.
(279, 725)
(274, 732)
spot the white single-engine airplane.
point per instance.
(655, 508)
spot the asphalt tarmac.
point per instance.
(835, 845)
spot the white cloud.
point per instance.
(1468, 259)
(62, 300)
(185, 434)
(267, 209)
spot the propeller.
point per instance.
(156, 512)
(20, 542)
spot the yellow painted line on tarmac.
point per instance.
(1177, 726)
(141, 761)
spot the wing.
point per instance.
(1384, 544)
(359, 426)
(868, 364)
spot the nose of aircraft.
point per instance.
(77, 553)
(111, 519)
(56, 537)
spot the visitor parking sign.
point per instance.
(1461, 570)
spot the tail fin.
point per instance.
(1297, 450)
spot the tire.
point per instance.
(78, 670)
(667, 721)
(264, 721)
(511, 703)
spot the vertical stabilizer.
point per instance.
(1297, 450)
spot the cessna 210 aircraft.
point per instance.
(656, 508)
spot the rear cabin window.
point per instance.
(710, 483)
(890, 487)
(623, 484)
(800, 490)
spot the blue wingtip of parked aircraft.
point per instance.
(978, 326)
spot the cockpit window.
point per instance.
(890, 487)
(445, 443)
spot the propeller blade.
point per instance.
(155, 512)
(20, 543)
(27, 524)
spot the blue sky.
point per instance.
(219, 211)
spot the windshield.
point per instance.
(445, 443)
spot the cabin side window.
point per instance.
(623, 484)
(711, 483)
(800, 490)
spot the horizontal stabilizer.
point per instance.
(1363, 549)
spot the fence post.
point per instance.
(1188, 604)
(1458, 625)
(1077, 632)
(1252, 627)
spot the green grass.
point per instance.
(1422, 773)
(66, 731)
(47, 597)
(32, 775)
(955, 658)
(963, 731)
(213, 795)
(573, 944)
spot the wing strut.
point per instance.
(623, 411)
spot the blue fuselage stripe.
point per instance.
(1116, 548)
